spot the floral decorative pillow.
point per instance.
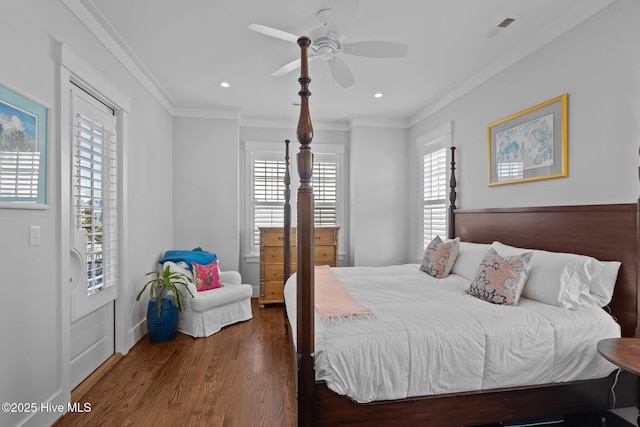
(206, 276)
(500, 280)
(439, 257)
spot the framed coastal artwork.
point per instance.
(23, 151)
(530, 145)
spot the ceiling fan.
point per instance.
(328, 42)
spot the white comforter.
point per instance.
(427, 336)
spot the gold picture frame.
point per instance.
(530, 145)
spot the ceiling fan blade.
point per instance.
(376, 49)
(287, 68)
(273, 32)
(340, 72)
(341, 15)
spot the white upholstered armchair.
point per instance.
(211, 310)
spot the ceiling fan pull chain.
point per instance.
(333, 71)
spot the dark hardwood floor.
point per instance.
(241, 376)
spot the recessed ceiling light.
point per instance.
(224, 84)
(377, 95)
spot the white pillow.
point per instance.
(556, 278)
(469, 257)
(601, 287)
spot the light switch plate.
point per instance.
(34, 235)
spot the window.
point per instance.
(266, 165)
(434, 194)
(325, 191)
(433, 149)
(268, 194)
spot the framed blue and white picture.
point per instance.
(23, 151)
(530, 145)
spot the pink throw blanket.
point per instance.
(331, 297)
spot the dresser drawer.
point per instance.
(274, 272)
(324, 236)
(275, 237)
(272, 292)
(325, 255)
(275, 255)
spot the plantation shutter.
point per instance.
(434, 174)
(325, 189)
(95, 199)
(268, 195)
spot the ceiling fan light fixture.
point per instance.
(225, 84)
(377, 95)
(325, 52)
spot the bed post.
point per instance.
(287, 215)
(287, 225)
(452, 195)
(305, 251)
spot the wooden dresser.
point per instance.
(272, 258)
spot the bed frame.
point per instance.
(606, 232)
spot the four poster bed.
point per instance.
(564, 384)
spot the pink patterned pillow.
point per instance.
(206, 276)
(439, 257)
(500, 280)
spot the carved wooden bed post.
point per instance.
(287, 216)
(287, 225)
(452, 195)
(305, 251)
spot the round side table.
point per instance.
(624, 353)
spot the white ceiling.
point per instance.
(186, 48)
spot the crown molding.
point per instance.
(106, 35)
(206, 113)
(291, 124)
(357, 121)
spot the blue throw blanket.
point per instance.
(196, 255)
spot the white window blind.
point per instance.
(268, 195)
(325, 190)
(434, 186)
(19, 173)
(95, 199)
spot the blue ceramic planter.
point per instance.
(165, 327)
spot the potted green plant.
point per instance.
(162, 310)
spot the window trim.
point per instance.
(73, 70)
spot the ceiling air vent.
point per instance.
(500, 27)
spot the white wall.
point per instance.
(378, 196)
(32, 353)
(206, 187)
(598, 64)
